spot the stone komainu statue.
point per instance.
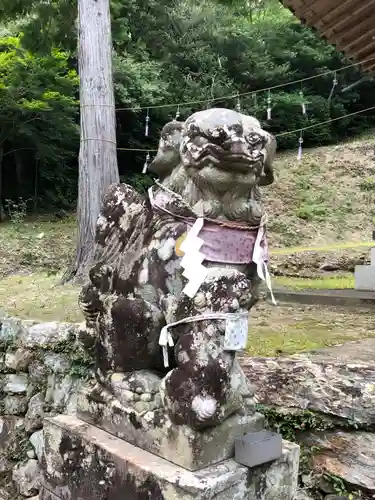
(177, 272)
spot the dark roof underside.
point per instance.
(347, 24)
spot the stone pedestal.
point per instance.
(150, 429)
(365, 275)
(86, 463)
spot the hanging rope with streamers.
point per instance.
(300, 142)
(145, 166)
(243, 94)
(269, 109)
(238, 105)
(334, 85)
(147, 123)
(303, 103)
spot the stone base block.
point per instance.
(153, 431)
(365, 278)
(82, 462)
(372, 254)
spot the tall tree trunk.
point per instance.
(98, 167)
(36, 185)
(19, 176)
(2, 213)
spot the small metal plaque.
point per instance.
(257, 448)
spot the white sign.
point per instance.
(236, 332)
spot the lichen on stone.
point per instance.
(210, 167)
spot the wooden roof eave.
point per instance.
(345, 25)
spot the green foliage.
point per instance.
(172, 52)
(38, 117)
(367, 184)
(287, 109)
(82, 364)
(17, 211)
(315, 211)
(138, 79)
(289, 425)
(139, 182)
(336, 483)
(339, 487)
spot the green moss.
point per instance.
(325, 283)
(7, 345)
(82, 363)
(82, 370)
(289, 425)
(367, 184)
(17, 447)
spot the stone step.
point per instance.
(86, 463)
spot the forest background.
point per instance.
(165, 53)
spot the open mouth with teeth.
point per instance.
(215, 143)
(234, 155)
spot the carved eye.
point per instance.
(255, 140)
(193, 130)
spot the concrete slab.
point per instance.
(372, 256)
(365, 277)
(346, 298)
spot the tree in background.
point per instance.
(97, 155)
(38, 114)
(186, 50)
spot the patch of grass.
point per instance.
(37, 296)
(340, 282)
(302, 336)
(291, 328)
(310, 212)
(285, 329)
(367, 184)
(317, 200)
(36, 245)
